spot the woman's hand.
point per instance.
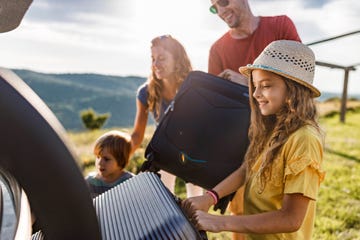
(234, 77)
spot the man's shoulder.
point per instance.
(221, 40)
(275, 19)
(281, 27)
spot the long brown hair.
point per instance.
(182, 69)
(268, 134)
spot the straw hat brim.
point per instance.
(246, 70)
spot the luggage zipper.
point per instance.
(184, 158)
(170, 107)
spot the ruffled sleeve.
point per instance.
(303, 153)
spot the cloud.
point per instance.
(314, 4)
(66, 11)
(113, 36)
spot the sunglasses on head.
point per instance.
(165, 36)
(221, 3)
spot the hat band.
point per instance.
(266, 68)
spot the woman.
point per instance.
(282, 168)
(170, 66)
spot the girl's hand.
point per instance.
(203, 203)
(207, 222)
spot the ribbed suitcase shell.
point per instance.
(142, 208)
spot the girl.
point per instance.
(282, 168)
(170, 66)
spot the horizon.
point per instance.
(321, 98)
(114, 38)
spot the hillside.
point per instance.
(68, 94)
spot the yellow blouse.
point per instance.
(297, 169)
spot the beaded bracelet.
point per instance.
(214, 195)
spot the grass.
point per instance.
(338, 214)
(338, 207)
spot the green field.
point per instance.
(338, 214)
(338, 207)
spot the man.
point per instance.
(240, 45)
(247, 37)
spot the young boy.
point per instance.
(112, 151)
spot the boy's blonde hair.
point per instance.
(117, 143)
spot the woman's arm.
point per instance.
(140, 122)
(287, 219)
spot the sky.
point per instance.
(112, 37)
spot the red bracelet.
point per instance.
(214, 195)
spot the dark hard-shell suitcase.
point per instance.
(203, 136)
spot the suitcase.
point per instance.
(143, 208)
(203, 136)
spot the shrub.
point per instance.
(93, 120)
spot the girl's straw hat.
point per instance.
(290, 59)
